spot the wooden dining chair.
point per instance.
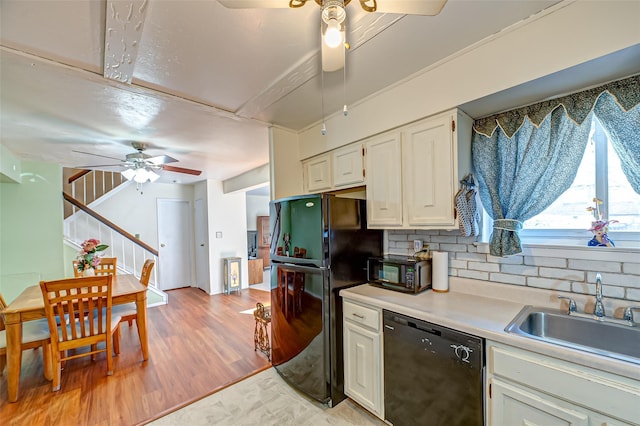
(76, 273)
(79, 314)
(35, 334)
(107, 266)
(128, 311)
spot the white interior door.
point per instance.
(202, 246)
(175, 264)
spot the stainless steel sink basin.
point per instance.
(600, 337)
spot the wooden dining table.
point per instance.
(29, 305)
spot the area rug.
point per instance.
(266, 399)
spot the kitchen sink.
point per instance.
(615, 340)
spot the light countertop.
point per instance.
(484, 309)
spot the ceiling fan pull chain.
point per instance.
(345, 111)
(323, 130)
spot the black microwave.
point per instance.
(399, 273)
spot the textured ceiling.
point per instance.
(206, 81)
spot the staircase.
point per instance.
(83, 189)
(88, 186)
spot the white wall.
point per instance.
(284, 163)
(136, 211)
(572, 34)
(227, 216)
(257, 205)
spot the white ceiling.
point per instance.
(207, 81)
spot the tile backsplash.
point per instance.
(566, 269)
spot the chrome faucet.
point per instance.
(628, 312)
(599, 308)
(572, 304)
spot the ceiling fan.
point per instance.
(333, 15)
(141, 167)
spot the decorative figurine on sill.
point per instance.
(600, 238)
(599, 227)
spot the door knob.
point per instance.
(202, 245)
(162, 245)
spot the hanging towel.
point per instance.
(466, 206)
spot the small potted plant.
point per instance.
(89, 256)
(599, 227)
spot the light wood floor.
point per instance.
(197, 344)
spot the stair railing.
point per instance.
(130, 251)
(87, 186)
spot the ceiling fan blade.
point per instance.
(410, 7)
(161, 159)
(181, 170)
(99, 165)
(255, 4)
(98, 155)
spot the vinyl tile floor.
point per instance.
(266, 399)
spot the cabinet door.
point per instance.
(317, 173)
(362, 367)
(429, 173)
(511, 405)
(348, 166)
(384, 181)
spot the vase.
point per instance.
(89, 272)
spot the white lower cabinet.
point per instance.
(363, 379)
(526, 388)
(511, 405)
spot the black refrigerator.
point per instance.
(319, 245)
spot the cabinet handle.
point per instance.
(358, 316)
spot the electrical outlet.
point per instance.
(417, 245)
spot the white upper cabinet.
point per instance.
(348, 166)
(384, 181)
(317, 173)
(338, 169)
(413, 185)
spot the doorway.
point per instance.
(175, 260)
(202, 251)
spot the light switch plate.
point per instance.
(218, 234)
(417, 245)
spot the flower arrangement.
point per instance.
(599, 226)
(89, 257)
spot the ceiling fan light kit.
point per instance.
(140, 175)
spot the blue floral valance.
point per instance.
(577, 106)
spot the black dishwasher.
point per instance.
(432, 374)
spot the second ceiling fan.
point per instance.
(141, 167)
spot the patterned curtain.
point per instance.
(624, 133)
(526, 158)
(519, 177)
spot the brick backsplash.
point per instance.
(570, 269)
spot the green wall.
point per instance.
(31, 232)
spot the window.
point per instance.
(600, 175)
